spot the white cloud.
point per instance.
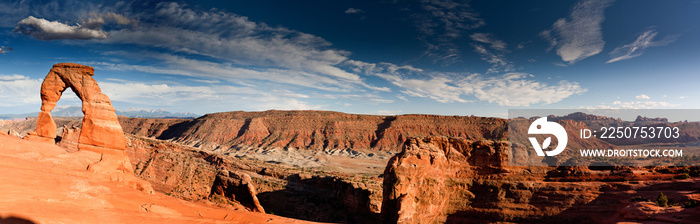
(176, 65)
(498, 62)
(91, 28)
(18, 90)
(97, 20)
(511, 89)
(643, 104)
(514, 89)
(488, 38)
(580, 36)
(204, 98)
(633, 105)
(4, 50)
(293, 56)
(636, 48)
(642, 97)
(388, 112)
(47, 30)
(353, 11)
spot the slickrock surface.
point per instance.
(42, 183)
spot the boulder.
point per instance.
(14, 133)
(238, 187)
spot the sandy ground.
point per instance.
(42, 183)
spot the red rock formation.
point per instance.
(314, 130)
(100, 126)
(451, 180)
(70, 138)
(239, 187)
(100, 131)
(423, 184)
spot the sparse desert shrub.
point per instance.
(683, 176)
(638, 198)
(695, 172)
(664, 170)
(662, 200)
(691, 204)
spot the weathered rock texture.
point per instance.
(451, 180)
(239, 187)
(100, 131)
(190, 174)
(430, 178)
(100, 126)
(312, 130)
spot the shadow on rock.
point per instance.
(321, 199)
(16, 220)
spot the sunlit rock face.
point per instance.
(100, 126)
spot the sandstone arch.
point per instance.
(100, 126)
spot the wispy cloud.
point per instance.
(511, 89)
(636, 48)
(208, 98)
(488, 38)
(440, 23)
(579, 36)
(5, 50)
(17, 90)
(498, 61)
(216, 48)
(239, 42)
(353, 11)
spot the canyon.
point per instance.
(447, 169)
(324, 166)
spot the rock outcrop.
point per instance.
(100, 131)
(188, 173)
(452, 180)
(13, 133)
(431, 177)
(238, 187)
(100, 126)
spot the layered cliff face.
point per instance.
(313, 130)
(432, 177)
(450, 180)
(188, 173)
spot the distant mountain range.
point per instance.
(76, 111)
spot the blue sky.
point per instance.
(372, 57)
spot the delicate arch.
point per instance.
(100, 125)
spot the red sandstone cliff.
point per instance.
(450, 180)
(315, 130)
